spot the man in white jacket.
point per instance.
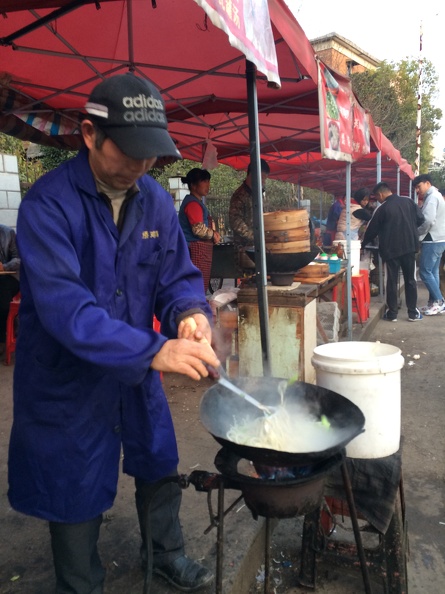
(432, 236)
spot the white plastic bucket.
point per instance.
(355, 253)
(368, 374)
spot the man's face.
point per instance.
(110, 165)
(422, 188)
(378, 196)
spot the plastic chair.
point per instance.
(11, 335)
(359, 304)
(365, 274)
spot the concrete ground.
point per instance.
(25, 559)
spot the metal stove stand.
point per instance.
(387, 560)
(204, 481)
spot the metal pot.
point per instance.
(286, 262)
(219, 407)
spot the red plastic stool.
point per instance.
(11, 337)
(365, 274)
(359, 297)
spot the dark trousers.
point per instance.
(407, 263)
(9, 287)
(76, 559)
(158, 506)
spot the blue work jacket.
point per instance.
(82, 384)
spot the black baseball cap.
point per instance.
(131, 112)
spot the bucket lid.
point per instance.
(358, 357)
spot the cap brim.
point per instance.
(141, 142)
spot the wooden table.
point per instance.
(323, 288)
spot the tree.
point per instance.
(390, 93)
(52, 157)
(438, 177)
(279, 195)
(29, 170)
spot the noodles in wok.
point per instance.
(291, 430)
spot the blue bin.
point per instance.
(334, 265)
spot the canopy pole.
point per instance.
(130, 35)
(52, 16)
(379, 179)
(348, 249)
(419, 106)
(258, 221)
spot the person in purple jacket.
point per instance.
(102, 253)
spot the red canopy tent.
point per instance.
(52, 60)
(50, 70)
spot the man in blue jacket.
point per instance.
(102, 253)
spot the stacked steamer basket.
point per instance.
(287, 235)
(287, 231)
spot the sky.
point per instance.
(386, 29)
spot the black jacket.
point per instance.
(395, 222)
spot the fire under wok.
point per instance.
(220, 408)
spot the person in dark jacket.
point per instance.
(241, 216)
(196, 222)
(395, 223)
(102, 253)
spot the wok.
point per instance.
(219, 407)
(286, 262)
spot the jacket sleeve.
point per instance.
(362, 214)
(429, 212)
(236, 218)
(372, 230)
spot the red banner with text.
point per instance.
(344, 127)
(247, 24)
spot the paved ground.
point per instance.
(25, 566)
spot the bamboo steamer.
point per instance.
(287, 235)
(287, 231)
(283, 220)
(289, 247)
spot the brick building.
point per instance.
(343, 55)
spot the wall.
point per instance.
(343, 55)
(10, 195)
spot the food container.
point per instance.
(334, 264)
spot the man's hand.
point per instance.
(185, 356)
(189, 353)
(195, 327)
